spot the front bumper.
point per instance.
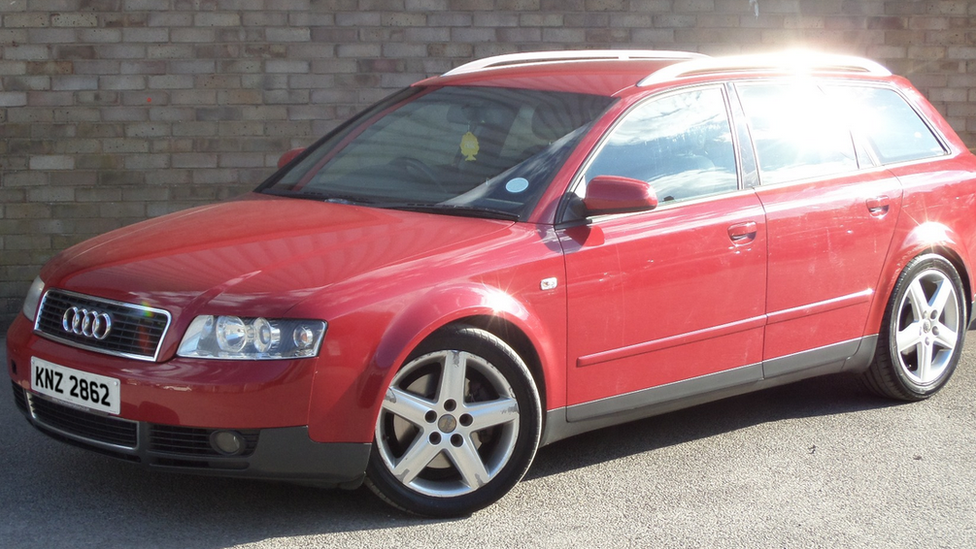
(278, 453)
(179, 391)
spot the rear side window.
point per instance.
(796, 132)
(890, 125)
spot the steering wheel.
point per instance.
(416, 167)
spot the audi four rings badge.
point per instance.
(87, 323)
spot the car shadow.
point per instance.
(816, 397)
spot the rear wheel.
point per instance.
(459, 426)
(922, 332)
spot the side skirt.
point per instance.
(847, 356)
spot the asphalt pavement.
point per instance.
(815, 464)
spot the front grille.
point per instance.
(189, 441)
(19, 398)
(84, 425)
(137, 331)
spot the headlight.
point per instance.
(33, 298)
(237, 338)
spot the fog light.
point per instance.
(229, 443)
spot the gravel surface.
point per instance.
(815, 464)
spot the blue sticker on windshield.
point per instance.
(517, 185)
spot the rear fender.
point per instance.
(928, 237)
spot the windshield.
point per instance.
(479, 151)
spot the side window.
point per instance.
(679, 143)
(890, 125)
(796, 133)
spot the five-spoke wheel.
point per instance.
(922, 333)
(458, 427)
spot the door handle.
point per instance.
(743, 233)
(878, 206)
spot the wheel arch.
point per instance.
(516, 338)
(926, 238)
(964, 274)
(480, 306)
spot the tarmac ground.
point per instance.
(818, 463)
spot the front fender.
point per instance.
(443, 306)
(350, 386)
(439, 308)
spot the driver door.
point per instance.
(668, 302)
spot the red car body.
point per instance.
(618, 317)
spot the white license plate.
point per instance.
(79, 388)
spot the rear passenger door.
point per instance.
(830, 215)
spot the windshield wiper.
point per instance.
(455, 209)
(324, 196)
(448, 209)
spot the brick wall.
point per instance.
(112, 111)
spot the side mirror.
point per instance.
(610, 194)
(289, 156)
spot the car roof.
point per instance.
(612, 72)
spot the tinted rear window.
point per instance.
(890, 125)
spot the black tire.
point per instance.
(447, 445)
(922, 333)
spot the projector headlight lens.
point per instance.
(231, 334)
(244, 338)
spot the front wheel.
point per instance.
(922, 332)
(458, 428)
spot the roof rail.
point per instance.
(791, 61)
(510, 59)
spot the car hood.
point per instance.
(256, 255)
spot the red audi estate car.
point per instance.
(525, 248)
